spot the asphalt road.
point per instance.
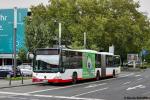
(128, 86)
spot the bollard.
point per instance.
(9, 76)
(134, 64)
(22, 78)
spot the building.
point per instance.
(7, 30)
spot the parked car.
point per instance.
(8, 70)
(26, 69)
(137, 64)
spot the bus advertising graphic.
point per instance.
(88, 65)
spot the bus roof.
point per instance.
(82, 50)
(78, 50)
(105, 53)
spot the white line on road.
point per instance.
(126, 83)
(137, 75)
(70, 86)
(127, 75)
(138, 86)
(95, 85)
(90, 92)
(64, 97)
(12, 93)
(80, 84)
(47, 96)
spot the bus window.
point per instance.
(75, 59)
(65, 59)
(73, 62)
(116, 61)
(109, 61)
(79, 60)
(98, 61)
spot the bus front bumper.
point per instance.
(51, 80)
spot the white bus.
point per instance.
(67, 65)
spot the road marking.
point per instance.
(126, 83)
(12, 93)
(139, 79)
(95, 85)
(47, 96)
(48, 89)
(90, 92)
(137, 75)
(138, 86)
(80, 84)
(127, 75)
(70, 86)
(64, 97)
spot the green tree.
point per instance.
(22, 54)
(106, 22)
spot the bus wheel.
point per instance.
(114, 74)
(74, 78)
(97, 76)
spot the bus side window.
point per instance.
(109, 61)
(98, 60)
(116, 61)
(72, 60)
(65, 59)
(75, 59)
(79, 60)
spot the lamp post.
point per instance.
(59, 35)
(14, 38)
(59, 40)
(84, 40)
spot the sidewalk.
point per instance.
(6, 83)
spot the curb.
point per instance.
(11, 86)
(19, 85)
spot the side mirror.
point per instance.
(30, 55)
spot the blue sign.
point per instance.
(7, 31)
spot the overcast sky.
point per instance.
(145, 4)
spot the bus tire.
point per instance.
(97, 75)
(74, 78)
(114, 74)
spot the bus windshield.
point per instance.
(47, 63)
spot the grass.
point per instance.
(147, 65)
(18, 78)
